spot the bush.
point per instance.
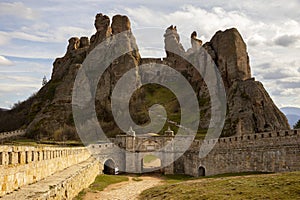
(65, 133)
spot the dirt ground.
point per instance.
(128, 190)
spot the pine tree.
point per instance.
(297, 125)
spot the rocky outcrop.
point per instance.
(102, 23)
(195, 42)
(58, 111)
(231, 56)
(250, 108)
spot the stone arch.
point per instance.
(109, 167)
(201, 171)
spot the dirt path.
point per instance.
(128, 190)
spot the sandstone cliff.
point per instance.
(250, 108)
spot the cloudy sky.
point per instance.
(34, 33)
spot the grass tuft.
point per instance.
(226, 186)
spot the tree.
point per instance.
(297, 125)
(44, 81)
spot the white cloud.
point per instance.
(17, 9)
(190, 18)
(4, 61)
(4, 87)
(4, 38)
(271, 32)
(256, 39)
(287, 40)
(18, 79)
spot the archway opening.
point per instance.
(201, 171)
(110, 167)
(151, 163)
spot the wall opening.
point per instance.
(201, 171)
(26, 157)
(1, 158)
(9, 158)
(110, 167)
(19, 157)
(151, 163)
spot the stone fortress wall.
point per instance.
(23, 165)
(15, 133)
(264, 152)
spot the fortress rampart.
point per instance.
(23, 165)
(265, 152)
(15, 133)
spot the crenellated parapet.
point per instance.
(23, 165)
(9, 134)
(276, 151)
(265, 138)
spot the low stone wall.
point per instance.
(16, 133)
(71, 186)
(65, 184)
(23, 165)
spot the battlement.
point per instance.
(19, 155)
(15, 133)
(276, 151)
(23, 165)
(249, 138)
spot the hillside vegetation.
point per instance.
(265, 186)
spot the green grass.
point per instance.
(22, 142)
(32, 142)
(244, 186)
(149, 158)
(80, 195)
(161, 95)
(101, 182)
(176, 178)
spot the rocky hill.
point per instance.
(49, 113)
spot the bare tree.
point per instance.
(44, 81)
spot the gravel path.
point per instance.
(128, 190)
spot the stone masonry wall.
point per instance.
(70, 187)
(5, 135)
(65, 184)
(264, 152)
(23, 165)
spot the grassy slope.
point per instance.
(156, 94)
(266, 186)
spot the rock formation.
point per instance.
(250, 108)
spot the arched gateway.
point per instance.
(201, 171)
(110, 167)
